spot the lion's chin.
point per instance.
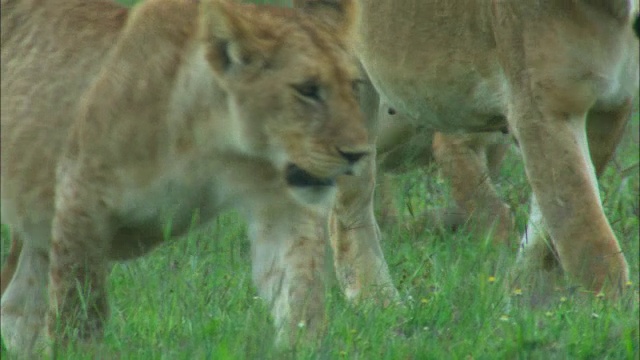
(297, 177)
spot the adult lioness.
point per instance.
(116, 123)
(561, 74)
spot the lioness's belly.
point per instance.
(435, 61)
(463, 102)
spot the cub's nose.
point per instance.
(352, 156)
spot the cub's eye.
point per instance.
(309, 90)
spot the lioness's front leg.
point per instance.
(79, 258)
(552, 90)
(567, 197)
(289, 242)
(565, 188)
(466, 161)
(538, 260)
(355, 238)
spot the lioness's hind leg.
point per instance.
(24, 302)
(11, 262)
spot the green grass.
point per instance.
(194, 298)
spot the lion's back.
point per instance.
(51, 51)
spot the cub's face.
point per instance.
(294, 93)
(304, 109)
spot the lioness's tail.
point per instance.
(11, 262)
(622, 10)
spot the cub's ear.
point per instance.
(340, 14)
(235, 39)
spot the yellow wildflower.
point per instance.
(517, 292)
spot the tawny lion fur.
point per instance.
(470, 162)
(560, 74)
(117, 123)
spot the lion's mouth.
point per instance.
(298, 177)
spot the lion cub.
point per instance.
(118, 126)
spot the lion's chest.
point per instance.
(185, 195)
(166, 200)
(170, 204)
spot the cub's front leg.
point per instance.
(288, 254)
(360, 266)
(79, 266)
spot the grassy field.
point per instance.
(194, 298)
